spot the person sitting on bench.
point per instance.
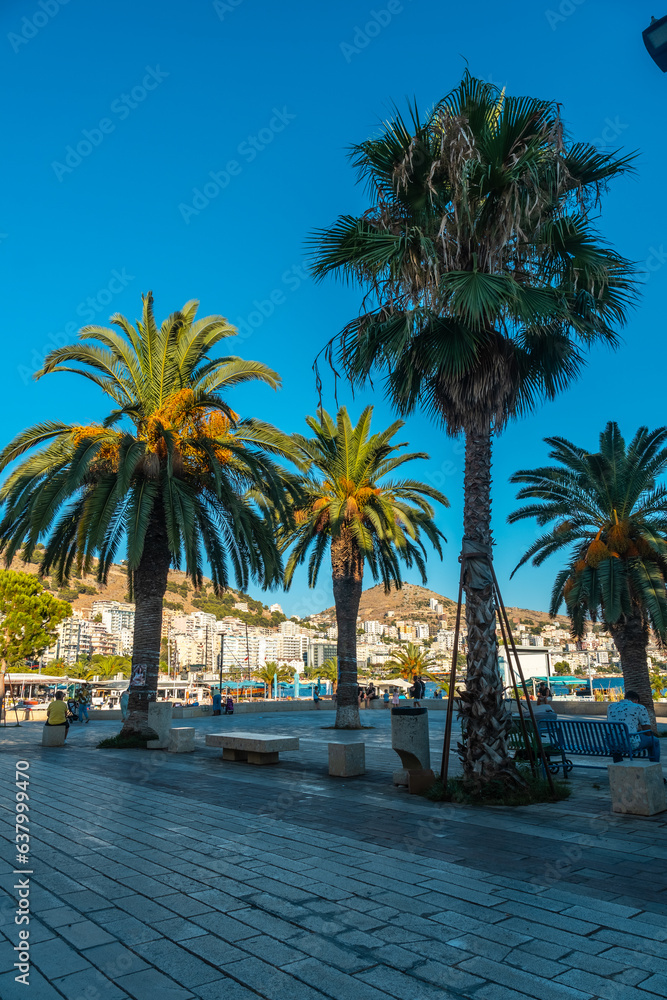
(56, 713)
(637, 719)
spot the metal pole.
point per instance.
(222, 657)
(522, 721)
(247, 653)
(538, 738)
(444, 767)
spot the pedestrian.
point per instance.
(638, 721)
(124, 702)
(394, 699)
(56, 713)
(217, 703)
(229, 706)
(84, 701)
(385, 697)
(316, 696)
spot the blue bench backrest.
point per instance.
(590, 739)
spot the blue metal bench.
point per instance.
(587, 739)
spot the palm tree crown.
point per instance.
(608, 511)
(172, 472)
(409, 663)
(485, 273)
(346, 498)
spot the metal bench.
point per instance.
(254, 748)
(587, 739)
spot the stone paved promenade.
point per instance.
(165, 877)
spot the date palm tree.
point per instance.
(608, 511)
(349, 506)
(270, 674)
(410, 662)
(484, 283)
(166, 475)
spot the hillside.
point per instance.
(181, 598)
(412, 602)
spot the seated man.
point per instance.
(636, 718)
(56, 713)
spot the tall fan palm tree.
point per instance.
(484, 280)
(167, 473)
(348, 505)
(608, 509)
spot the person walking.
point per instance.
(636, 718)
(124, 702)
(56, 713)
(395, 699)
(84, 701)
(385, 697)
(217, 703)
(316, 696)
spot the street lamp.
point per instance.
(655, 40)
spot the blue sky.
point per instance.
(266, 97)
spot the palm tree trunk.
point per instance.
(485, 714)
(631, 638)
(150, 586)
(347, 570)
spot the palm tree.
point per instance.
(109, 666)
(608, 510)
(327, 671)
(410, 662)
(271, 672)
(348, 505)
(167, 473)
(484, 279)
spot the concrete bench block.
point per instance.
(182, 740)
(637, 788)
(53, 736)
(255, 748)
(263, 758)
(409, 738)
(347, 759)
(159, 720)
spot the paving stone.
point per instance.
(333, 982)
(396, 957)
(55, 956)
(60, 915)
(178, 929)
(269, 950)
(115, 961)
(479, 946)
(273, 983)
(85, 934)
(656, 984)
(225, 990)
(524, 982)
(88, 984)
(607, 989)
(390, 982)
(186, 968)
(214, 950)
(225, 927)
(149, 984)
(131, 931)
(326, 951)
(38, 988)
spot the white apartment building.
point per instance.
(372, 628)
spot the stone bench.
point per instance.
(53, 736)
(182, 739)
(347, 759)
(252, 747)
(637, 788)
